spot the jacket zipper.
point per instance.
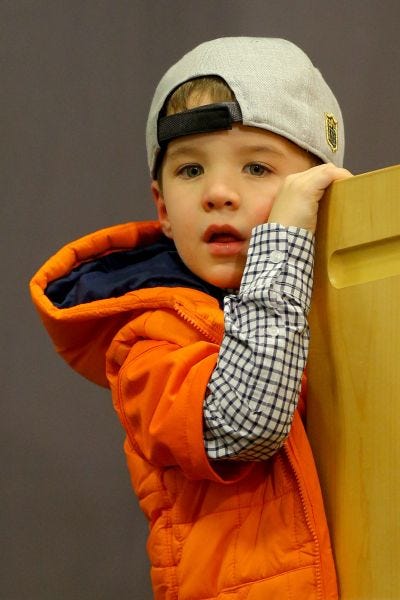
(207, 332)
(307, 517)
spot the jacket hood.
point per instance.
(93, 286)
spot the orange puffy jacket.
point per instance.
(218, 530)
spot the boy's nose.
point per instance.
(220, 195)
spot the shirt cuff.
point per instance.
(284, 255)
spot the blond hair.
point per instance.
(211, 88)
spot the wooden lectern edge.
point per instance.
(364, 175)
(354, 391)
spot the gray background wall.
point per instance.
(76, 81)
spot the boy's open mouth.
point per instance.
(222, 234)
(224, 241)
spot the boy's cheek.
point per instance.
(264, 214)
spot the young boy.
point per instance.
(198, 323)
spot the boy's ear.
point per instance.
(161, 209)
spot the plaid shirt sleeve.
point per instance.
(253, 391)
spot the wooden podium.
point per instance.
(354, 379)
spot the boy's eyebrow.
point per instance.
(181, 150)
(253, 148)
(265, 148)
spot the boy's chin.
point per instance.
(224, 281)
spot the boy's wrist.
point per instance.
(292, 229)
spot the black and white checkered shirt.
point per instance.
(253, 391)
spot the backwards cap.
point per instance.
(276, 86)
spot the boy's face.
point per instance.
(215, 188)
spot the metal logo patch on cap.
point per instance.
(331, 131)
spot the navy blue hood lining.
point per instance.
(113, 275)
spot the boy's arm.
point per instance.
(253, 392)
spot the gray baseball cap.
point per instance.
(276, 86)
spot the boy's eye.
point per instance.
(190, 171)
(256, 169)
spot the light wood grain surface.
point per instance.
(354, 379)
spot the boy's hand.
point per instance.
(298, 199)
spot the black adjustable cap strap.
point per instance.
(203, 119)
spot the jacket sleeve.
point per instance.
(158, 389)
